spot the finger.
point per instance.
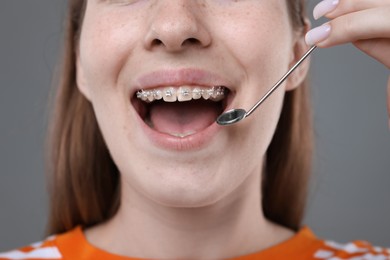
(379, 49)
(362, 25)
(351, 6)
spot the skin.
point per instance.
(192, 204)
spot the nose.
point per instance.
(176, 25)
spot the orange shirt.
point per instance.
(73, 245)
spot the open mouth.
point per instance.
(181, 111)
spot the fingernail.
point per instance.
(324, 7)
(318, 34)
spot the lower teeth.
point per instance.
(182, 135)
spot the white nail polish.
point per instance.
(324, 7)
(318, 34)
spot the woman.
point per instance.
(140, 169)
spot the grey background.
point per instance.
(350, 192)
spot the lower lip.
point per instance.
(192, 142)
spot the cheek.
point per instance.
(262, 44)
(261, 41)
(105, 45)
(107, 42)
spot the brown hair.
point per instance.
(83, 180)
(289, 156)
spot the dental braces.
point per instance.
(172, 94)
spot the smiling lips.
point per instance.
(181, 111)
(178, 108)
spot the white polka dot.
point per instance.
(323, 254)
(349, 248)
(41, 253)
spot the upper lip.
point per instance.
(181, 77)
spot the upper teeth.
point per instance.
(181, 94)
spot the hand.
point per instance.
(364, 23)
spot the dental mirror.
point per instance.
(235, 115)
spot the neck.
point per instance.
(231, 227)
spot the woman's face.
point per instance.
(173, 152)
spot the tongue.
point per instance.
(183, 118)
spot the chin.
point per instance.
(177, 197)
(181, 188)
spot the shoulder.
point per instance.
(306, 245)
(356, 250)
(50, 248)
(46, 249)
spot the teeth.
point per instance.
(196, 93)
(185, 93)
(182, 135)
(169, 94)
(206, 94)
(218, 94)
(143, 95)
(150, 97)
(157, 94)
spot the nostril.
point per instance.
(191, 41)
(157, 42)
(186, 42)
